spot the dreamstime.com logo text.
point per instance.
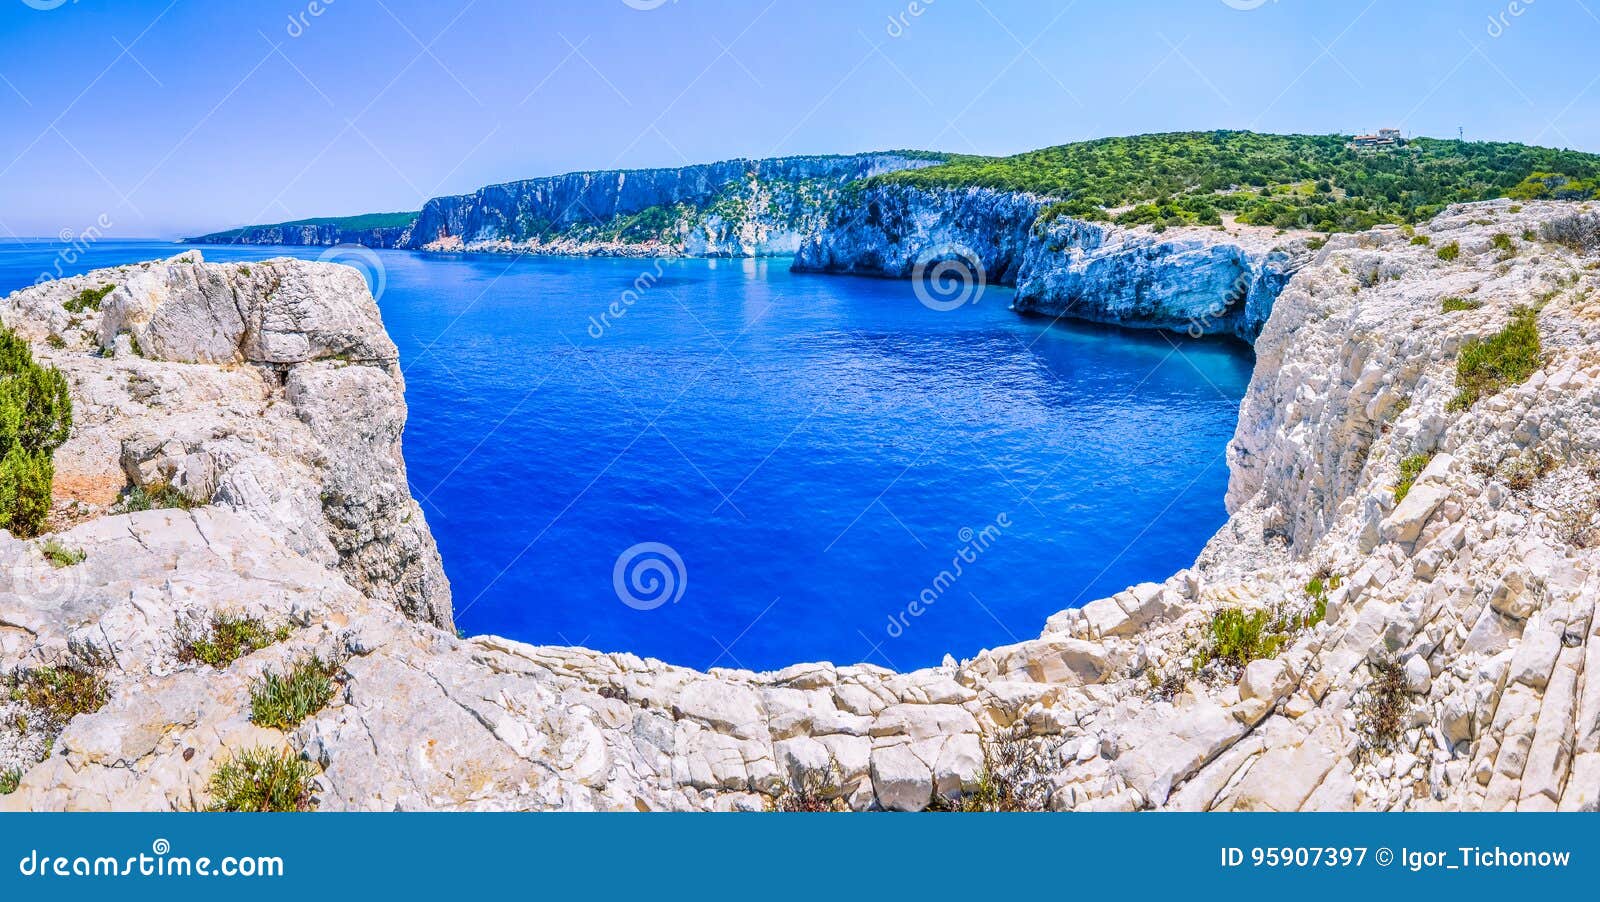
(155, 863)
(298, 24)
(947, 276)
(649, 575)
(974, 542)
(607, 320)
(77, 244)
(1211, 317)
(363, 260)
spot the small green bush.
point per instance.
(1422, 240)
(1317, 591)
(229, 638)
(262, 779)
(1410, 469)
(88, 299)
(156, 496)
(1508, 357)
(1015, 777)
(284, 701)
(1503, 243)
(60, 555)
(1449, 251)
(25, 491)
(1236, 638)
(60, 693)
(1454, 305)
(10, 779)
(35, 418)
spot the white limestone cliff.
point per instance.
(1199, 280)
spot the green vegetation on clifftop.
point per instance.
(1286, 181)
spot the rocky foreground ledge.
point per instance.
(1399, 613)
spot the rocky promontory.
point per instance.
(1398, 614)
(377, 230)
(1200, 280)
(735, 208)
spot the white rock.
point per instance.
(901, 781)
(1419, 678)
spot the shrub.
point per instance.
(284, 701)
(10, 779)
(156, 496)
(1449, 251)
(25, 491)
(1015, 777)
(35, 418)
(1453, 305)
(1235, 638)
(1524, 469)
(229, 638)
(813, 793)
(1381, 710)
(1422, 240)
(88, 299)
(1508, 357)
(1164, 685)
(1573, 522)
(1577, 231)
(262, 779)
(1410, 468)
(1317, 591)
(60, 555)
(60, 693)
(1503, 243)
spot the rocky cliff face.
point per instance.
(1426, 572)
(270, 389)
(1196, 280)
(736, 208)
(324, 234)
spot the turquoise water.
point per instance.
(816, 467)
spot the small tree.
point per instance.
(25, 481)
(35, 418)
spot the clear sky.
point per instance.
(179, 116)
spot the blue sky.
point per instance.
(176, 117)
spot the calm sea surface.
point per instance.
(754, 468)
